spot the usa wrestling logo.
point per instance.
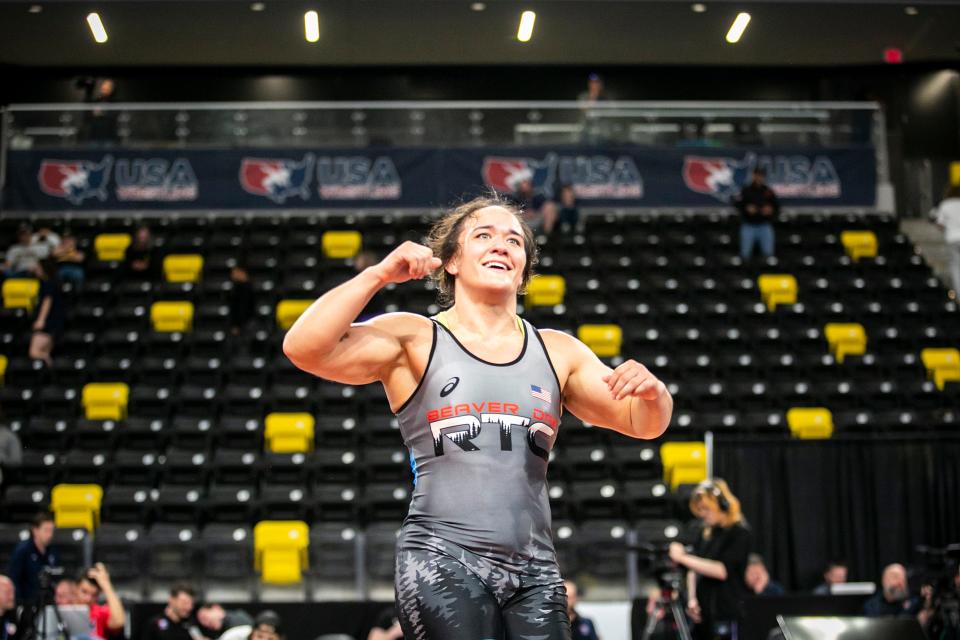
(592, 177)
(788, 176)
(277, 178)
(75, 180)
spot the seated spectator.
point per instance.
(267, 626)
(758, 578)
(142, 259)
(45, 241)
(894, 598)
(51, 313)
(65, 592)
(835, 573)
(242, 302)
(581, 628)
(948, 218)
(22, 258)
(759, 207)
(539, 212)
(8, 608)
(214, 620)
(569, 213)
(69, 261)
(108, 619)
(387, 626)
(174, 622)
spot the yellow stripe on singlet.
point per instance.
(442, 319)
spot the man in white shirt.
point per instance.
(948, 217)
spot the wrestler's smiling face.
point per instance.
(492, 256)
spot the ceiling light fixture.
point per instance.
(525, 31)
(698, 7)
(311, 26)
(96, 27)
(35, 8)
(910, 11)
(257, 6)
(738, 27)
(478, 6)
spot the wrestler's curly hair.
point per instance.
(444, 240)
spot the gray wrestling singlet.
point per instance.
(475, 556)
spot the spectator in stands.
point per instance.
(214, 620)
(66, 592)
(894, 598)
(45, 241)
(32, 556)
(580, 628)
(267, 626)
(21, 258)
(569, 213)
(51, 313)
(8, 605)
(107, 619)
(835, 573)
(242, 302)
(595, 92)
(595, 130)
(539, 212)
(758, 578)
(174, 622)
(142, 256)
(11, 451)
(948, 217)
(69, 260)
(387, 626)
(759, 207)
(716, 569)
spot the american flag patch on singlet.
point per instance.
(540, 393)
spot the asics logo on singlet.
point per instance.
(449, 387)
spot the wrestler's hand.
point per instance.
(409, 261)
(633, 379)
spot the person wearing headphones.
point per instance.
(718, 562)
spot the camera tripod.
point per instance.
(669, 609)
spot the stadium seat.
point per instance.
(3, 369)
(289, 310)
(810, 422)
(859, 244)
(111, 246)
(604, 340)
(845, 338)
(20, 293)
(942, 365)
(777, 289)
(105, 400)
(76, 505)
(341, 244)
(184, 267)
(170, 316)
(280, 551)
(289, 432)
(545, 291)
(683, 463)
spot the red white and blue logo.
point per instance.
(592, 177)
(721, 178)
(75, 180)
(277, 178)
(790, 176)
(541, 394)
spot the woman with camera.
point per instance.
(718, 562)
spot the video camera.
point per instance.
(938, 568)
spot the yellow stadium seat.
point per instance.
(20, 293)
(289, 432)
(3, 369)
(341, 244)
(943, 365)
(777, 289)
(683, 463)
(280, 550)
(603, 339)
(955, 173)
(810, 422)
(172, 316)
(289, 310)
(846, 339)
(184, 267)
(111, 246)
(546, 291)
(859, 244)
(105, 400)
(76, 505)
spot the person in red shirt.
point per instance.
(108, 619)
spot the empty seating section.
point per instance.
(159, 427)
